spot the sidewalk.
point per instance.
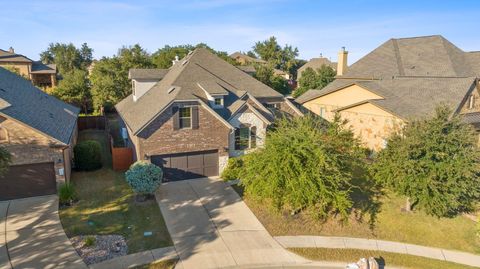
(380, 245)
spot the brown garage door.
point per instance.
(28, 180)
(188, 165)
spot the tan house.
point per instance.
(316, 63)
(247, 65)
(39, 131)
(402, 79)
(198, 114)
(41, 75)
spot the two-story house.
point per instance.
(402, 79)
(202, 111)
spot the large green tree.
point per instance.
(434, 162)
(74, 88)
(109, 77)
(314, 79)
(265, 74)
(67, 57)
(306, 165)
(281, 58)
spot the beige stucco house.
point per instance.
(400, 80)
(41, 75)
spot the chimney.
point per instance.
(176, 60)
(342, 62)
(11, 50)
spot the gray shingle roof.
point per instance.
(317, 63)
(27, 104)
(201, 66)
(6, 56)
(40, 68)
(147, 73)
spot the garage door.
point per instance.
(188, 165)
(28, 180)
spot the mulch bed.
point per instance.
(106, 247)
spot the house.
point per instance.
(244, 59)
(203, 111)
(39, 131)
(315, 63)
(402, 79)
(144, 79)
(41, 75)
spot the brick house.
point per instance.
(39, 131)
(400, 80)
(41, 75)
(201, 112)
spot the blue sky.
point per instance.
(313, 26)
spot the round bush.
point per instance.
(144, 177)
(233, 169)
(88, 155)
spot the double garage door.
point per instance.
(188, 165)
(28, 180)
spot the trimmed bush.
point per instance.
(88, 155)
(233, 169)
(144, 177)
(66, 194)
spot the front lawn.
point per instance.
(106, 206)
(392, 224)
(383, 258)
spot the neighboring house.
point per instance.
(41, 75)
(203, 111)
(244, 59)
(315, 63)
(402, 79)
(39, 131)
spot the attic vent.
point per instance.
(1, 89)
(171, 89)
(184, 62)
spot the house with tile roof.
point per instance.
(402, 79)
(41, 75)
(39, 131)
(202, 111)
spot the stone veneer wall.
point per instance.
(246, 116)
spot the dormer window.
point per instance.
(272, 105)
(218, 102)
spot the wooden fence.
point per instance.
(92, 122)
(122, 157)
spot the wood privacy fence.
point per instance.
(122, 157)
(92, 122)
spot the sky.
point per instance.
(314, 27)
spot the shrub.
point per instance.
(90, 241)
(88, 155)
(66, 194)
(144, 177)
(434, 162)
(233, 169)
(306, 165)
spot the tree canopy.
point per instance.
(434, 162)
(74, 88)
(265, 74)
(314, 79)
(67, 57)
(280, 58)
(306, 165)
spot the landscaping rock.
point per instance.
(106, 247)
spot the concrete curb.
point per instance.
(136, 259)
(380, 245)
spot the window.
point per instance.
(245, 138)
(218, 101)
(271, 105)
(322, 112)
(185, 117)
(253, 137)
(471, 102)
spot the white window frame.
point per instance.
(215, 98)
(180, 117)
(471, 102)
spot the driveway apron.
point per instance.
(211, 227)
(32, 236)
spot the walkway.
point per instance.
(380, 245)
(32, 236)
(211, 227)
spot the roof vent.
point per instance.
(184, 62)
(171, 89)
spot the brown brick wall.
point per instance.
(29, 146)
(160, 138)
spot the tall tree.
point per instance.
(74, 88)
(314, 79)
(306, 165)
(67, 57)
(280, 58)
(265, 74)
(109, 77)
(434, 162)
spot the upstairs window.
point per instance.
(471, 102)
(185, 117)
(272, 105)
(218, 101)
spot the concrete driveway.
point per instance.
(211, 227)
(31, 235)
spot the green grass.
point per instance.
(169, 264)
(383, 258)
(107, 206)
(392, 224)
